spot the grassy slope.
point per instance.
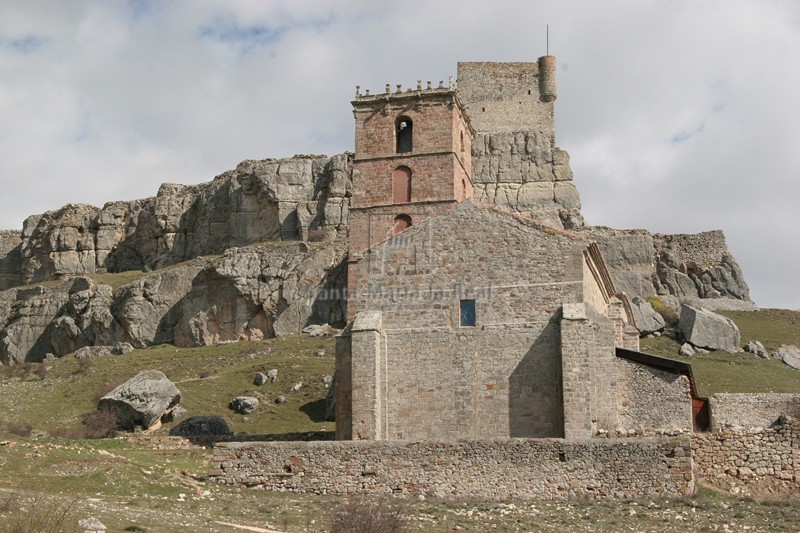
(208, 378)
(742, 372)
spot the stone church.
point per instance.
(467, 321)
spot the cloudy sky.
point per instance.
(680, 116)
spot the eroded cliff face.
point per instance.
(522, 172)
(697, 266)
(10, 246)
(259, 201)
(247, 293)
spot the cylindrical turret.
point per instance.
(547, 78)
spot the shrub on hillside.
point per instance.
(38, 514)
(368, 517)
(101, 424)
(669, 315)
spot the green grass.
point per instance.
(742, 372)
(772, 327)
(208, 378)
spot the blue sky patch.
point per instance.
(23, 45)
(244, 38)
(683, 135)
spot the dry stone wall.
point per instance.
(752, 410)
(750, 460)
(651, 399)
(525, 469)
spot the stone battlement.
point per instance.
(388, 92)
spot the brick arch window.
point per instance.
(401, 185)
(404, 134)
(401, 223)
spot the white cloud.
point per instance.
(679, 116)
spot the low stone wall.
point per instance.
(752, 410)
(747, 461)
(518, 468)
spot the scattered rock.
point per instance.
(706, 329)
(315, 330)
(327, 381)
(260, 379)
(196, 426)
(91, 525)
(244, 405)
(174, 414)
(280, 399)
(297, 386)
(647, 320)
(142, 400)
(687, 349)
(320, 352)
(92, 351)
(121, 348)
(757, 349)
(788, 354)
(272, 375)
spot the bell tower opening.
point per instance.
(404, 132)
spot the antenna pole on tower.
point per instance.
(548, 39)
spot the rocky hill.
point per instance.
(211, 267)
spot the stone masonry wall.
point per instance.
(504, 97)
(496, 470)
(750, 461)
(518, 274)
(651, 399)
(752, 410)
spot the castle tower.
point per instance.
(413, 161)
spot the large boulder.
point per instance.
(196, 426)
(647, 319)
(706, 329)
(244, 405)
(142, 400)
(788, 354)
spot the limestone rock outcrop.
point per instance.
(10, 259)
(647, 319)
(697, 266)
(142, 401)
(522, 172)
(249, 292)
(705, 329)
(305, 197)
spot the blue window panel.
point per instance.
(467, 313)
